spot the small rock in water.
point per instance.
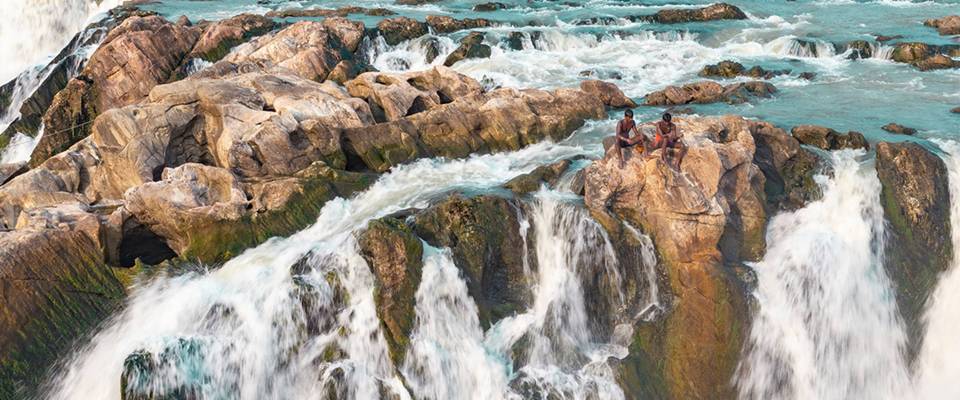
(955, 110)
(898, 129)
(885, 38)
(828, 139)
(807, 75)
(471, 46)
(492, 6)
(946, 26)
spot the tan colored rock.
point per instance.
(186, 198)
(710, 92)
(309, 49)
(829, 139)
(471, 46)
(397, 95)
(713, 12)
(219, 37)
(710, 214)
(949, 25)
(501, 120)
(609, 94)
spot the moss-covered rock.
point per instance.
(395, 255)
(916, 202)
(55, 288)
(484, 235)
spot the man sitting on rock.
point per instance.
(623, 136)
(669, 140)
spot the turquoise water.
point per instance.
(846, 95)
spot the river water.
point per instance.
(826, 326)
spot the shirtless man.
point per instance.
(669, 140)
(623, 136)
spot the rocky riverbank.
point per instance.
(147, 162)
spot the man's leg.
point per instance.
(619, 152)
(682, 151)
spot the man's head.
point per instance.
(667, 117)
(628, 114)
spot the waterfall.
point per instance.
(20, 148)
(827, 326)
(937, 369)
(41, 28)
(411, 55)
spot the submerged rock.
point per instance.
(916, 202)
(395, 256)
(701, 221)
(484, 235)
(829, 139)
(710, 92)
(949, 25)
(491, 6)
(471, 46)
(894, 127)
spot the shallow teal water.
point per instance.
(846, 95)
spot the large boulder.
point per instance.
(309, 49)
(484, 235)
(393, 96)
(713, 12)
(916, 201)
(703, 222)
(829, 139)
(704, 92)
(399, 29)
(219, 37)
(395, 256)
(137, 55)
(443, 24)
(501, 120)
(949, 25)
(471, 46)
(925, 57)
(608, 93)
(788, 167)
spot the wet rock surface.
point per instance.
(732, 69)
(608, 93)
(916, 202)
(828, 139)
(701, 219)
(471, 46)
(894, 127)
(949, 25)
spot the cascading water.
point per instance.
(266, 323)
(42, 27)
(936, 367)
(827, 326)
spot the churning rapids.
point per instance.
(825, 323)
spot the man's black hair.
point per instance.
(667, 117)
(628, 113)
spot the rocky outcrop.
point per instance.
(713, 12)
(395, 256)
(484, 236)
(393, 96)
(732, 69)
(703, 222)
(924, 56)
(787, 167)
(221, 36)
(531, 182)
(326, 12)
(608, 93)
(137, 55)
(894, 127)
(309, 49)
(471, 46)
(829, 139)
(949, 25)
(501, 120)
(916, 201)
(443, 24)
(396, 30)
(704, 92)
